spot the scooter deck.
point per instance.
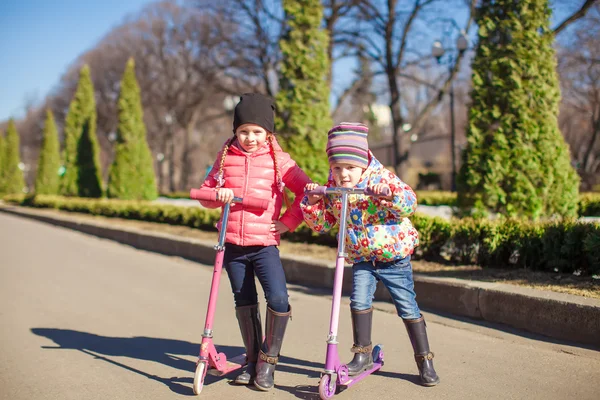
(355, 379)
(233, 364)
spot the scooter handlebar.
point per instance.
(255, 203)
(210, 194)
(323, 190)
(203, 194)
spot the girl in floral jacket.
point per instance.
(253, 164)
(379, 242)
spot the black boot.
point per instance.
(269, 353)
(251, 328)
(362, 349)
(423, 356)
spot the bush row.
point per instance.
(589, 203)
(558, 246)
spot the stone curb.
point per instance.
(556, 315)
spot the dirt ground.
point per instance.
(565, 283)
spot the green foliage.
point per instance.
(176, 195)
(47, 180)
(12, 176)
(516, 162)
(82, 154)
(303, 100)
(435, 198)
(563, 246)
(588, 204)
(131, 175)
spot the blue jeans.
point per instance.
(243, 263)
(397, 278)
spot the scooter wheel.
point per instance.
(326, 387)
(378, 353)
(199, 377)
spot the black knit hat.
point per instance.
(255, 108)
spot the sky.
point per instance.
(39, 39)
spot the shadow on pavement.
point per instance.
(312, 392)
(168, 352)
(477, 322)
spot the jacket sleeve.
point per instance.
(319, 216)
(404, 202)
(295, 179)
(211, 182)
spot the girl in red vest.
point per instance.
(253, 164)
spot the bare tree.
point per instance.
(174, 48)
(249, 32)
(575, 15)
(392, 32)
(579, 68)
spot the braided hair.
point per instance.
(278, 179)
(280, 184)
(220, 180)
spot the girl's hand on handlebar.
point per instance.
(225, 195)
(313, 198)
(381, 188)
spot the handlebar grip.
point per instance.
(319, 190)
(208, 194)
(255, 203)
(384, 193)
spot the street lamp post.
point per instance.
(438, 51)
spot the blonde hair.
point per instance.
(220, 180)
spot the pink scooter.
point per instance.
(209, 361)
(335, 372)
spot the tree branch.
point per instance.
(574, 17)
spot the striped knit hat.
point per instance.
(347, 143)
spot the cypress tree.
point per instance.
(13, 181)
(47, 179)
(516, 162)
(131, 174)
(303, 116)
(82, 153)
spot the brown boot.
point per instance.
(423, 356)
(269, 353)
(362, 322)
(251, 328)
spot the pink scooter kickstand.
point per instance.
(335, 373)
(209, 361)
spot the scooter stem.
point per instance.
(332, 359)
(216, 278)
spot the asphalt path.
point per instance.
(87, 318)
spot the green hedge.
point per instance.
(589, 203)
(176, 195)
(559, 246)
(435, 198)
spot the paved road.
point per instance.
(86, 318)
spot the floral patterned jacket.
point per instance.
(374, 232)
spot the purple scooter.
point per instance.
(335, 372)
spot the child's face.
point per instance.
(346, 175)
(251, 137)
